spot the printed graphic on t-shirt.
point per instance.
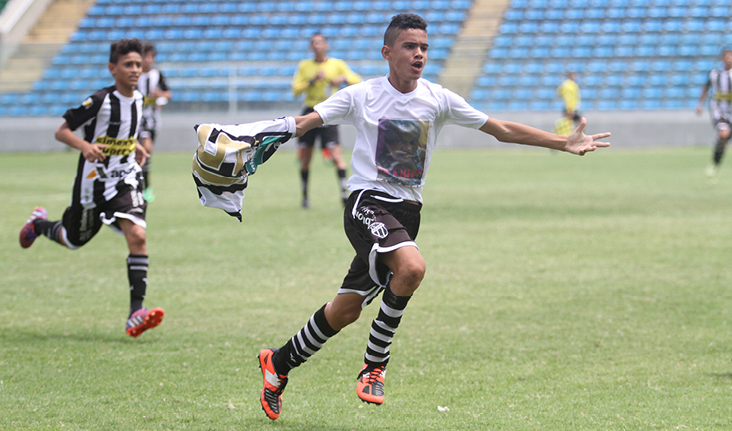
(400, 151)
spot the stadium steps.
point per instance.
(42, 43)
(471, 46)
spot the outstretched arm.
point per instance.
(702, 98)
(308, 122)
(576, 143)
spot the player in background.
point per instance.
(108, 185)
(157, 94)
(569, 92)
(720, 108)
(319, 78)
(397, 118)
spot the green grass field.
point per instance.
(562, 293)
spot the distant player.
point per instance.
(397, 118)
(108, 185)
(720, 108)
(319, 78)
(569, 92)
(157, 94)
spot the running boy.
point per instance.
(108, 186)
(382, 215)
(156, 94)
(720, 108)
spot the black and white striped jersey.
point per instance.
(148, 82)
(720, 104)
(111, 119)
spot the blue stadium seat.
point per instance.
(652, 104)
(628, 104)
(634, 80)
(614, 80)
(607, 104)
(591, 80)
(631, 26)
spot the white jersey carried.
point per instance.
(396, 132)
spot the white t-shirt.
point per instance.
(396, 132)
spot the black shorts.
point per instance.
(376, 222)
(576, 116)
(721, 123)
(82, 222)
(328, 135)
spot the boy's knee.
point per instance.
(136, 238)
(418, 269)
(724, 134)
(412, 272)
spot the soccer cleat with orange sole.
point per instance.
(370, 387)
(144, 319)
(274, 384)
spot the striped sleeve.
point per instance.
(228, 154)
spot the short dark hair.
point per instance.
(400, 22)
(124, 47)
(147, 48)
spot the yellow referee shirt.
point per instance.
(569, 92)
(322, 88)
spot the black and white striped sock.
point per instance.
(48, 229)
(305, 343)
(384, 327)
(137, 265)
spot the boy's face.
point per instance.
(147, 61)
(727, 59)
(408, 56)
(127, 70)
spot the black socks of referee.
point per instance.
(343, 185)
(384, 327)
(137, 274)
(305, 343)
(304, 176)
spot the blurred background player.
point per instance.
(108, 184)
(157, 94)
(569, 92)
(319, 78)
(720, 107)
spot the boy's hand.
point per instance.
(579, 143)
(94, 152)
(141, 154)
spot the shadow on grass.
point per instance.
(302, 426)
(81, 336)
(725, 376)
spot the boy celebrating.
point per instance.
(108, 185)
(397, 118)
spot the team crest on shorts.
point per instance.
(379, 230)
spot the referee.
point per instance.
(319, 78)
